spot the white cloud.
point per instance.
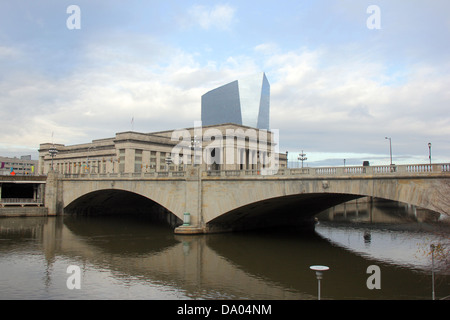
(9, 52)
(160, 87)
(353, 105)
(220, 16)
(322, 100)
(267, 48)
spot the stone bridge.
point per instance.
(217, 201)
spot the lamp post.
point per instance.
(195, 143)
(287, 160)
(168, 162)
(390, 148)
(302, 157)
(429, 151)
(319, 272)
(52, 152)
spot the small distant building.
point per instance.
(244, 102)
(18, 166)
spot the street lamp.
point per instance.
(196, 145)
(429, 151)
(390, 148)
(52, 152)
(168, 162)
(319, 272)
(287, 160)
(302, 157)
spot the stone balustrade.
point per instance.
(409, 170)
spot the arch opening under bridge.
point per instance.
(294, 211)
(297, 211)
(114, 202)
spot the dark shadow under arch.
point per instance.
(288, 211)
(120, 202)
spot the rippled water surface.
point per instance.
(126, 258)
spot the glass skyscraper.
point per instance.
(244, 102)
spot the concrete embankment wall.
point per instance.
(23, 212)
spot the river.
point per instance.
(129, 258)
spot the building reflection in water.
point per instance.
(126, 259)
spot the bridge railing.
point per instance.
(410, 169)
(128, 175)
(12, 201)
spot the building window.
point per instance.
(121, 160)
(138, 160)
(153, 160)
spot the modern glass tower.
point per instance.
(244, 102)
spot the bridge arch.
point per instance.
(120, 202)
(284, 211)
(280, 202)
(168, 194)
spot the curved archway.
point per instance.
(293, 211)
(120, 202)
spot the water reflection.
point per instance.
(386, 231)
(120, 235)
(136, 259)
(372, 210)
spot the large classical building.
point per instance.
(245, 102)
(218, 147)
(233, 135)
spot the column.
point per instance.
(53, 194)
(193, 203)
(158, 161)
(41, 165)
(145, 160)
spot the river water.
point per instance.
(130, 258)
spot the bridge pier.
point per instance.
(53, 194)
(193, 198)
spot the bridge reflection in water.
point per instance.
(137, 259)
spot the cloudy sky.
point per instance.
(338, 87)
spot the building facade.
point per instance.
(244, 102)
(218, 147)
(18, 166)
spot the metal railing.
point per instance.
(5, 201)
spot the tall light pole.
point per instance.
(319, 272)
(168, 162)
(390, 148)
(302, 157)
(52, 152)
(429, 151)
(287, 159)
(196, 144)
